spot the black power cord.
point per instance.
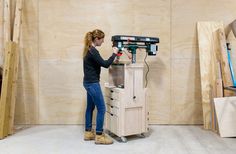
(147, 70)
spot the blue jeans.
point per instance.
(94, 98)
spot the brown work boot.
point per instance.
(89, 135)
(103, 139)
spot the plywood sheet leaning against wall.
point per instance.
(209, 70)
(7, 85)
(26, 109)
(226, 115)
(16, 39)
(10, 74)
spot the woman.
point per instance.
(92, 68)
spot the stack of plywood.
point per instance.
(226, 106)
(10, 68)
(214, 68)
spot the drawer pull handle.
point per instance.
(111, 98)
(111, 114)
(112, 91)
(111, 106)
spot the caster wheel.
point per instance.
(123, 139)
(142, 135)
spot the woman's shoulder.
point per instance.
(93, 50)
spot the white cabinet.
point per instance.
(125, 97)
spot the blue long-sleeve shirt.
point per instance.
(93, 63)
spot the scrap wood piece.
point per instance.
(226, 115)
(226, 76)
(233, 27)
(219, 82)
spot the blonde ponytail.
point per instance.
(87, 43)
(90, 37)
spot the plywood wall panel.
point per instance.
(68, 25)
(50, 81)
(186, 107)
(61, 96)
(183, 27)
(158, 96)
(157, 24)
(27, 86)
(185, 72)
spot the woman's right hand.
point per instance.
(115, 50)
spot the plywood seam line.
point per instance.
(37, 100)
(170, 58)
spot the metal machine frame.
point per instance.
(132, 43)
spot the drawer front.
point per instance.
(115, 95)
(112, 123)
(112, 93)
(112, 102)
(113, 110)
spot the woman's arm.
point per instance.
(104, 63)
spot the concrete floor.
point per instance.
(161, 139)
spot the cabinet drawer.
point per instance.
(112, 93)
(113, 110)
(112, 102)
(112, 123)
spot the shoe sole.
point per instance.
(103, 143)
(89, 139)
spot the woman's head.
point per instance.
(95, 37)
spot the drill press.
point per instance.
(132, 43)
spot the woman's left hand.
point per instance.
(115, 50)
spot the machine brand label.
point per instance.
(127, 38)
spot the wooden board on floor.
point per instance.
(208, 48)
(226, 115)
